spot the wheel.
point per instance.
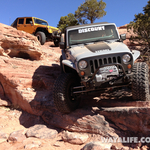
(64, 99)
(41, 37)
(56, 43)
(140, 82)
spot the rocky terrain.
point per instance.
(29, 119)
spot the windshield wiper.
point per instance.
(108, 41)
(100, 41)
(88, 43)
(76, 44)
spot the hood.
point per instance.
(53, 28)
(99, 48)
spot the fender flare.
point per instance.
(135, 54)
(69, 64)
(66, 62)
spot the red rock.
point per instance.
(113, 147)
(4, 102)
(123, 27)
(29, 146)
(123, 30)
(42, 132)
(144, 147)
(31, 143)
(3, 136)
(17, 136)
(15, 43)
(21, 78)
(23, 86)
(74, 138)
(81, 120)
(97, 146)
(129, 119)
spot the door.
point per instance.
(20, 24)
(25, 24)
(28, 26)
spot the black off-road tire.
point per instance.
(41, 37)
(140, 82)
(62, 93)
(56, 43)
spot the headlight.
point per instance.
(82, 64)
(126, 58)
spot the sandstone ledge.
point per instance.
(28, 85)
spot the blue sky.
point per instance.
(118, 11)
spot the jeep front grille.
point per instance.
(96, 63)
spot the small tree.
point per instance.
(90, 10)
(66, 21)
(141, 27)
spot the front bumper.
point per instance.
(92, 85)
(90, 80)
(56, 34)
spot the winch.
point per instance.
(106, 73)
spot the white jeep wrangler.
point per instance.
(94, 57)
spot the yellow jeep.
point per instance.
(39, 28)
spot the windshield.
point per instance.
(92, 34)
(42, 22)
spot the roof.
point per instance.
(84, 25)
(31, 17)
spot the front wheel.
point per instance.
(63, 96)
(140, 82)
(56, 43)
(41, 37)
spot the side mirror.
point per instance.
(123, 37)
(31, 23)
(62, 45)
(62, 38)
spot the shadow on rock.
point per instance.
(43, 80)
(42, 83)
(109, 98)
(29, 120)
